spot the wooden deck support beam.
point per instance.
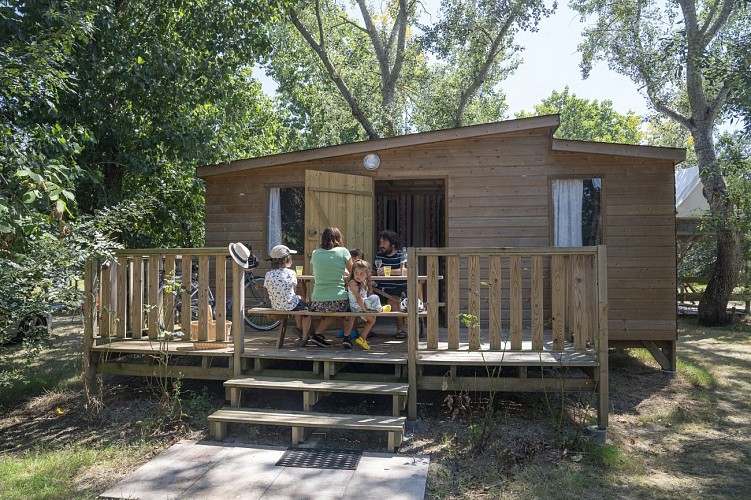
(603, 385)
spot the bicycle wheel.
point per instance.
(256, 296)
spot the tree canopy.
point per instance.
(689, 59)
(586, 120)
(376, 70)
(105, 110)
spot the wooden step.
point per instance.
(568, 358)
(300, 420)
(311, 388)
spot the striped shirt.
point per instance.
(394, 262)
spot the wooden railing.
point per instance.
(508, 291)
(125, 302)
(511, 300)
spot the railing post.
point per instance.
(452, 300)
(602, 336)
(89, 321)
(414, 333)
(220, 306)
(136, 303)
(537, 303)
(238, 324)
(168, 299)
(432, 304)
(186, 283)
(495, 296)
(558, 299)
(473, 301)
(515, 301)
(153, 293)
(580, 307)
(204, 309)
(121, 299)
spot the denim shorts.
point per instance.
(301, 305)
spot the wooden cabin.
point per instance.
(552, 251)
(497, 185)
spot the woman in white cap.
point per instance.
(281, 282)
(330, 262)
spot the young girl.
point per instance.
(355, 255)
(362, 299)
(281, 282)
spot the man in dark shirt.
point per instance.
(391, 256)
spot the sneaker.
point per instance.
(301, 343)
(347, 342)
(362, 343)
(319, 340)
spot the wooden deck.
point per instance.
(537, 322)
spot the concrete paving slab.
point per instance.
(211, 469)
(387, 476)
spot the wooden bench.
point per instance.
(283, 316)
(300, 420)
(313, 388)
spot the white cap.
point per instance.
(280, 252)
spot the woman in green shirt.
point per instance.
(330, 262)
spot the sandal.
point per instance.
(401, 334)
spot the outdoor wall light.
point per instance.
(371, 161)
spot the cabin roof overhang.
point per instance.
(676, 155)
(549, 122)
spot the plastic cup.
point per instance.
(298, 270)
(387, 270)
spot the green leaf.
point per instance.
(29, 197)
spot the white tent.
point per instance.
(689, 200)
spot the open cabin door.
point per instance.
(343, 201)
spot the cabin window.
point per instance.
(577, 212)
(286, 217)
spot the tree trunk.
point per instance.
(112, 183)
(713, 304)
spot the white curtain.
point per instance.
(275, 218)
(567, 212)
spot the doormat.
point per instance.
(320, 458)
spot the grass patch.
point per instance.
(697, 375)
(26, 376)
(606, 455)
(43, 474)
(642, 355)
(26, 383)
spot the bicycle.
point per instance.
(255, 296)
